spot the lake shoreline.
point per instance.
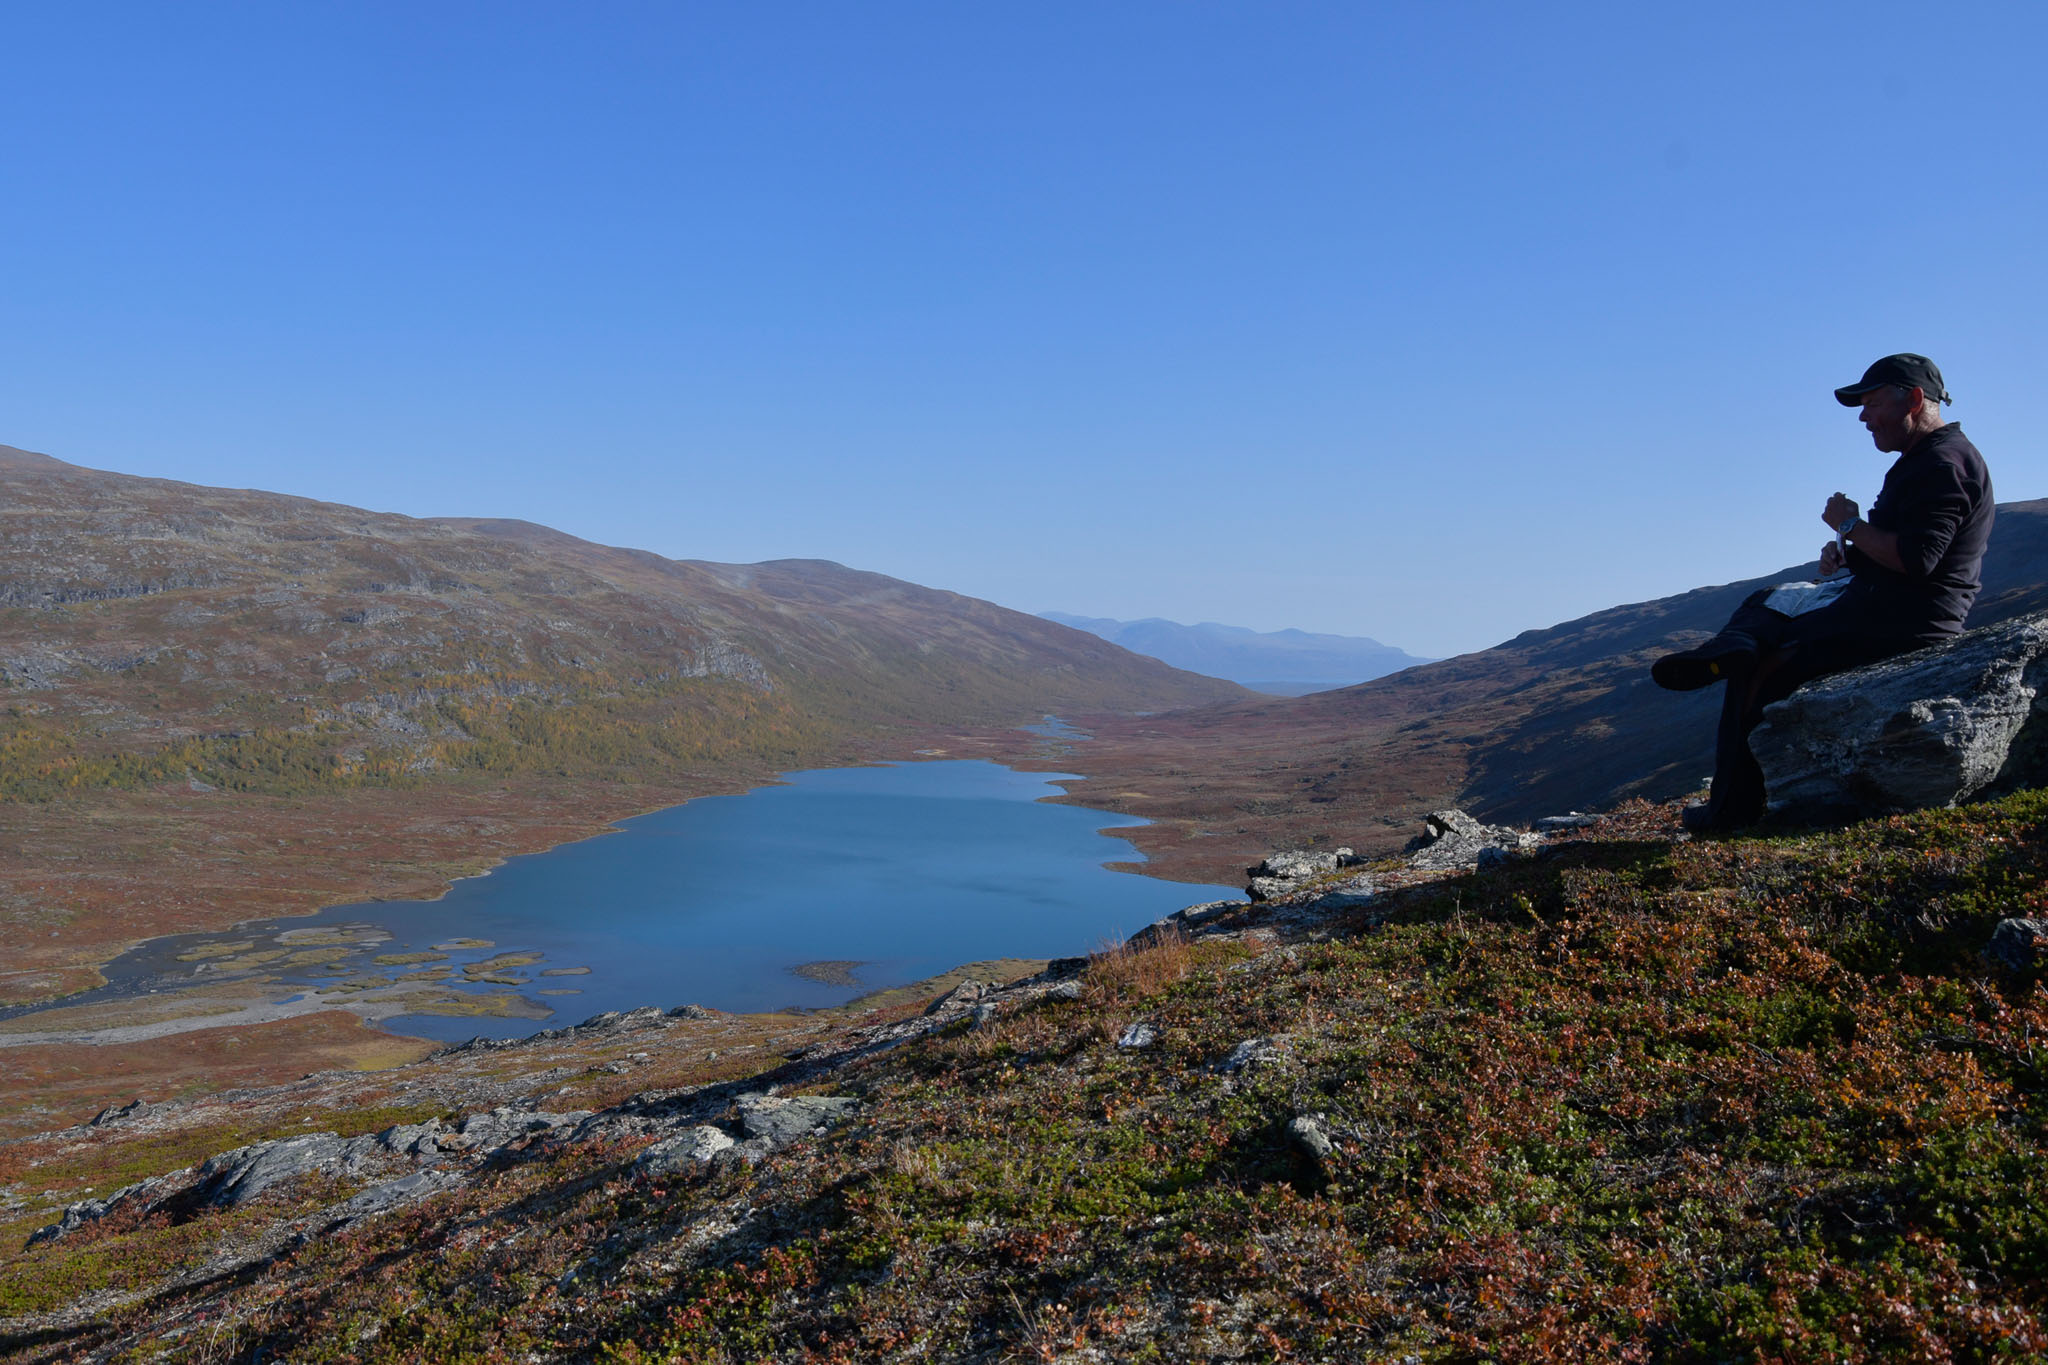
(379, 1000)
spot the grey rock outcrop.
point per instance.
(1258, 1052)
(1356, 894)
(597, 1025)
(145, 1193)
(132, 1112)
(489, 1131)
(1178, 925)
(225, 1180)
(780, 1120)
(392, 1193)
(962, 996)
(687, 1151)
(412, 1139)
(759, 1125)
(1452, 840)
(1206, 911)
(1930, 728)
(232, 1179)
(1137, 1037)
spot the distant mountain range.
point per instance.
(1288, 663)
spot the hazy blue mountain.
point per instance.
(1285, 662)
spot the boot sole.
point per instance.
(1689, 672)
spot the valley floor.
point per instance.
(1629, 1097)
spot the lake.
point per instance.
(863, 877)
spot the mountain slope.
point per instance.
(1554, 719)
(1287, 662)
(200, 597)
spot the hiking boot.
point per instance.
(1691, 669)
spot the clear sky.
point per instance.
(1430, 322)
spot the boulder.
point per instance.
(1930, 728)
(1298, 866)
(1556, 824)
(1258, 1052)
(1282, 873)
(1307, 1132)
(2020, 944)
(1137, 1037)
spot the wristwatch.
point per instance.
(1846, 527)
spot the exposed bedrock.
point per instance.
(1930, 728)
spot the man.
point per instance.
(1914, 571)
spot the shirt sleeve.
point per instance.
(1926, 516)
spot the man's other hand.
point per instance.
(1831, 559)
(1839, 510)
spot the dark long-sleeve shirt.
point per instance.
(1937, 499)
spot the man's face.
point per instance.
(1884, 415)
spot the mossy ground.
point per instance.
(1751, 1100)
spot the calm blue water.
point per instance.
(907, 869)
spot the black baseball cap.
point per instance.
(1906, 370)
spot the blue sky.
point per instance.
(1426, 322)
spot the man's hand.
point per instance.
(1831, 559)
(1872, 542)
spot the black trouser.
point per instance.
(1790, 650)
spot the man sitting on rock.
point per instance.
(1912, 574)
